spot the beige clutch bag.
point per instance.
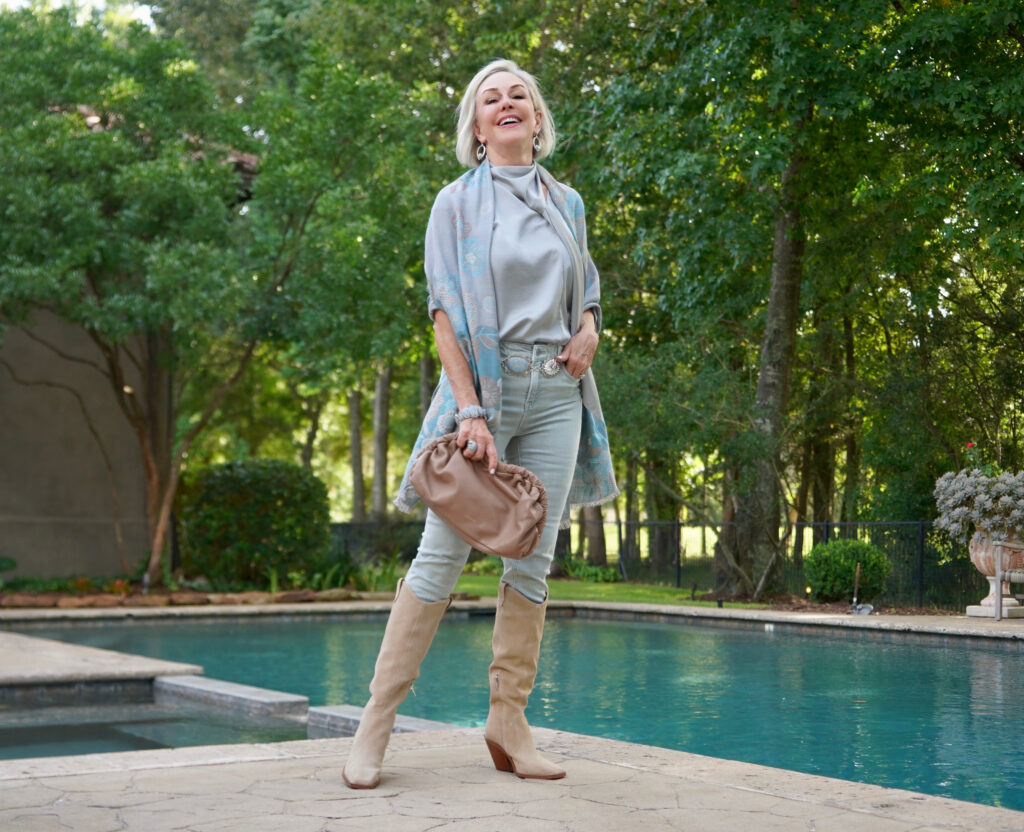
(500, 514)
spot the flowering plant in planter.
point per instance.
(992, 503)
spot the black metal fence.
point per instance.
(928, 570)
(365, 542)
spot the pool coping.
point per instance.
(942, 626)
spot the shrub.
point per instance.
(583, 571)
(830, 570)
(243, 521)
(6, 564)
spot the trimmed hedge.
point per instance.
(242, 520)
(830, 569)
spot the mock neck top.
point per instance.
(531, 267)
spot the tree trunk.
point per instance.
(164, 500)
(593, 532)
(801, 503)
(381, 407)
(827, 407)
(355, 441)
(159, 405)
(730, 572)
(822, 485)
(630, 541)
(663, 514)
(851, 467)
(315, 406)
(758, 507)
(428, 380)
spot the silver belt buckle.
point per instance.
(550, 367)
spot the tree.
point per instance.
(131, 222)
(123, 195)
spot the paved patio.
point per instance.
(443, 780)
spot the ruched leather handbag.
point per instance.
(500, 514)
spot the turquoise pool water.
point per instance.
(927, 717)
(94, 729)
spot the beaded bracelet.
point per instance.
(474, 411)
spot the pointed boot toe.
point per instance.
(518, 629)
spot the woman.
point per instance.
(514, 299)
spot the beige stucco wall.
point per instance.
(55, 497)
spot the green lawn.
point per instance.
(570, 590)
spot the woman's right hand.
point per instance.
(476, 430)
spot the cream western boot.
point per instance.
(518, 627)
(410, 629)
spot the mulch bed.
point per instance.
(162, 598)
(791, 603)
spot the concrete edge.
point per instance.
(328, 721)
(942, 625)
(54, 614)
(952, 625)
(230, 696)
(46, 661)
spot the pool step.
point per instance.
(39, 672)
(342, 721)
(216, 693)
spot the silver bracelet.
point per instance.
(474, 411)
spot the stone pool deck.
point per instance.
(443, 780)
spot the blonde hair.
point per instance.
(466, 141)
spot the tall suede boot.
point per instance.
(518, 627)
(410, 629)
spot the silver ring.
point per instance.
(472, 446)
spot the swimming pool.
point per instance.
(94, 729)
(927, 717)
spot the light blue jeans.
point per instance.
(539, 430)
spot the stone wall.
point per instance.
(56, 505)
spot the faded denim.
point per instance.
(540, 429)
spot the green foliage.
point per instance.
(583, 571)
(485, 566)
(6, 565)
(33, 583)
(244, 521)
(830, 569)
(676, 121)
(379, 576)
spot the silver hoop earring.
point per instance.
(536, 144)
(481, 152)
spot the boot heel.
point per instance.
(502, 762)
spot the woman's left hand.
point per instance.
(578, 354)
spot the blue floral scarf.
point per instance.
(457, 264)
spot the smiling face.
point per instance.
(506, 119)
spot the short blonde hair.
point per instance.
(466, 141)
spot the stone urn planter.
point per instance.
(989, 508)
(984, 551)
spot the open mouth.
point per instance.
(509, 120)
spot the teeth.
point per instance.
(509, 120)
